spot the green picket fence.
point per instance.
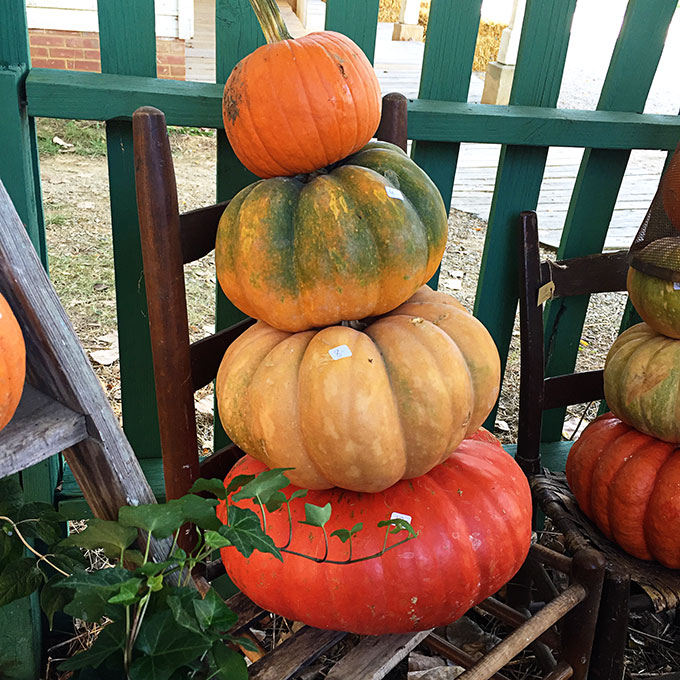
(439, 120)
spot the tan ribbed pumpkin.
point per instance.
(361, 409)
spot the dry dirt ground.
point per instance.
(77, 212)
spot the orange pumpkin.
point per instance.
(361, 409)
(628, 483)
(294, 106)
(12, 363)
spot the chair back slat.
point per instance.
(574, 388)
(159, 224)
(207, 353)
(198, 229)
(601, 273)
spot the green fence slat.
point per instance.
(14, 49)
(237, 35)
(626, 86)
(357, 19)
(447, 69)
(128, 46)
(538, 75)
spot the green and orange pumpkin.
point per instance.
(628, 483)
(344, 245)
(472, 514)
(12, 363)
(657, 300)
(642, 381)
(294, 106)
(361, 409)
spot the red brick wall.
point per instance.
(79, 51)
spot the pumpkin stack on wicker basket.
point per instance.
(368, 385)
(625, 468)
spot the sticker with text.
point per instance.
(399, 515)
(394, 193)
(340, 352)
(676, 285)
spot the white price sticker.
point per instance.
(340, 352)
(676, 285)
(394, 193)
(398, 515)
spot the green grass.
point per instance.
(89, 137)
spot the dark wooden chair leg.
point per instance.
(611, 634)
(394, 118)
(579, 624)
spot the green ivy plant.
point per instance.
(161, 628)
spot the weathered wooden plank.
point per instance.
(104, 463)
(374, 657)
(357, 19)
(98, 96)
(538, 74)
(245, 609)
(626, 86)
(294, 654)
(40, 428)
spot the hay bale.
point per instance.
(488, 42)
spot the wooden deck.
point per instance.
(398, 66)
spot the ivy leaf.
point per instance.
(345, 534)
(181, 606)
(229, 664)
(200, 511)
(91, 592)
(264, 485)
(53, 599)
(245, 533)
(275, 501)
(110, 640)
(19, 579)
(110, 536)
(315, 515)
(11, 548)
(166, 647)
(398, 525)
(212, 612)
(11, 496)
(153, 568)
(215, 540)
(40, 520)
(134, 558)
(238, 482)
(213, 486)
(300, 493)
(160, 519)
(128, 592)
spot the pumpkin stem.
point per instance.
(270, 20)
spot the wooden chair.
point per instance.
(170, 240)
(659, 588)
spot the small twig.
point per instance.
(31, 548)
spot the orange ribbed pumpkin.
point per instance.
(12, 363)
(473, 518)
(628, 483)
(361, 409)
(294, 106)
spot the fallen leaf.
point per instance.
(60, 142)
(105, 357)
(502, 426)
(205, 405)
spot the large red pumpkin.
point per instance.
(628, 483)
(473, 518)
(361, 409)
(294, 106)
(12, 363)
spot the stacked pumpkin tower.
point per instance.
(368, 385)
(625, 468)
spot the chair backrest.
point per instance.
(169, 241)
(538, 282)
